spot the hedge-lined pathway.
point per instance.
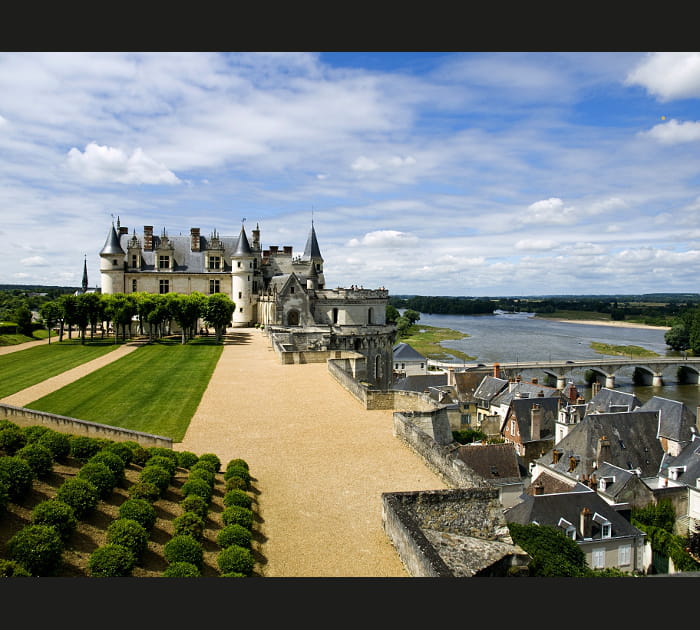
(320, 461)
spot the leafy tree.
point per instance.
(120, 308)
(23, 318)
(411, 315)
(186, 310)
(218, 311)
(392, 314)
(69, 306)
(51, 314)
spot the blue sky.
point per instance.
(481, 174)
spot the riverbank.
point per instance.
(600, 322)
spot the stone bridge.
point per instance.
(607, 368)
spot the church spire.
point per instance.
(312, 250)
(85, 276)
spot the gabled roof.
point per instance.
(419, 382)
(496, 463)
(550, 509)
(632, 444)
(552, 485)
(520, 410)
(489, 387)
(613, 400)
(688, 460)
(525, 390)
(403, 352)
(676, 420)
(112, 245)
(616, 480)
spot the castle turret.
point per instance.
(242, 272)
(312, 253)
(112, 264)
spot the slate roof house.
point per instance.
(679, 478)
(498, 465)
(677, 426)
(607, 538)
(529, 425)
(408, 361)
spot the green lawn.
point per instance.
(24, 368)
(155, 389)
(426, 340)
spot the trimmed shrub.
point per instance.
(182, 570)
(164, 462)
(122, 450)
(99, 475)
(38, 548)
(238, 471)
(199, 487)
(237, 514)
(83, 447)
(34, 432)
(204, 474)
(17, 475)
(157, 475)
(12, 568)
(144, 490)
(139, 510)
(58, 443)
(4, 496)
(234, 534)
(128, 533)
(195, 503)
(111, 560)
(154, 451)
(237, 463)
(7, 424)
(113, 461)
(139, 455)
(213, 459)
(237, 497)
(39, 459)
(58, 515)
(235, 559)
(236, 483)
(205, 464)
(190, 524)
(12, 439)
(186, 459)
(80, 494)
(184, 548)
(233, 574)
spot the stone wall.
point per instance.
(28, 417)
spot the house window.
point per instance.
(335, 317)
(134, 260)
(164, 286)
(624, 555)
(214, 286)
(512, 427)
(606, 530)
(214, 262)
(133, 286)
(239, 264)
(163, 262)
(598, 558)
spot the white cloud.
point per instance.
(364, 164)
(33, 261)
(674, 132)
(668, 75)
(529, 244)
(109, 164)
(384, 238)
(550, 210)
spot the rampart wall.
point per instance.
(64, 424)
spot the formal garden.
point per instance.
(78, 506)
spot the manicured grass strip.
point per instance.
(25, 368)
(155, 389)
(624, 351)
(426, 340)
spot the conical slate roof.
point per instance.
(312, 249)
(243, 246)
(112, 245)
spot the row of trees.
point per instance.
(153, 314)
(685, 332)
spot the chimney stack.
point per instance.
(595, 387)
(194, 239)
(148, 238)
(496, 367)
(586, 523)
(555, 456)
(538, 488)
(603, 450)
(535, 422)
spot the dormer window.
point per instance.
(569, 529)
(214, 262)
(675, 472)
(163, 262)
(605, 525)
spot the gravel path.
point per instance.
(319, 460)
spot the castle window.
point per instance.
(115, 261)
(291, 289)
(134, 260)
(164, 262)
(133, 286)
(164, 286)
(369, 316)
(214, 286)
(335, 315)
(214, 262)
(240, 295)
(239, 264)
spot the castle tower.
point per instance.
(112, 264)
(312, 253)
(242, 272)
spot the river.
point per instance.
(522, 337)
